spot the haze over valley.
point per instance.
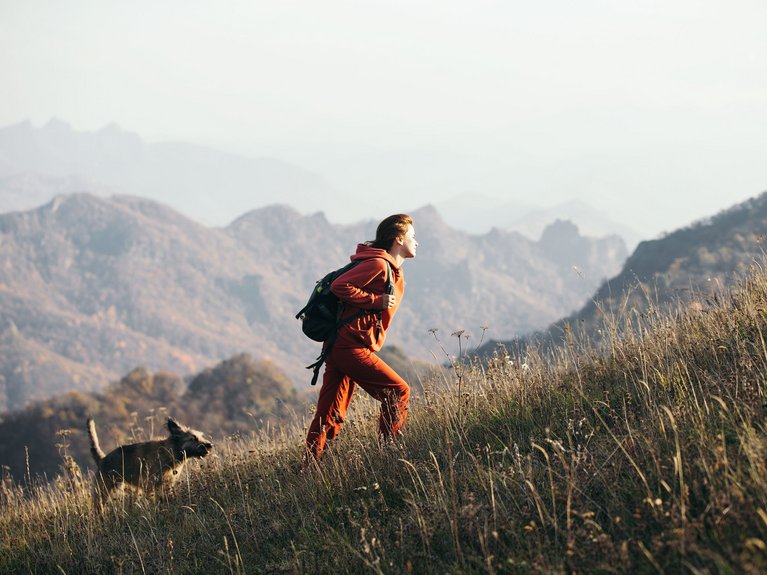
(214, 188)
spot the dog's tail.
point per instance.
(96, 452)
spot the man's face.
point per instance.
(408, 242)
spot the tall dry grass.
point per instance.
(644, 453)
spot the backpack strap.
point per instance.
(389, 290)
(321, 358)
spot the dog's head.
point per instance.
(192, 443)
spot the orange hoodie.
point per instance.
(362, 288)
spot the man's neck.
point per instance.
(398, 259)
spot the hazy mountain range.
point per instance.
(214, 188)
(478, 214)
(207, 185)
(92, 287)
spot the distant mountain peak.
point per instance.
(77, 200)
(24, 126)
(57, 125)
(111, 127)
(561, 230)
(74, 199)
(275, 212)
(428, 213)
(113, 132)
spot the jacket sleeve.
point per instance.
(353, 287)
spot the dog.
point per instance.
(149, 467)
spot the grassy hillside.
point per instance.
(644, 456)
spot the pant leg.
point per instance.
(333, 402)
(373, 375)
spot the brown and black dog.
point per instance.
(151, 466)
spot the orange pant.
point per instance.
(345, 368)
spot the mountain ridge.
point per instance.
(208, 185)
(115, 283)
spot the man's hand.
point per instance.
(389, 301)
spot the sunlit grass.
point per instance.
(644, 453)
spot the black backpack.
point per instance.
(321, 316)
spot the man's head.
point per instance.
(397, 228)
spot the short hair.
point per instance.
(390, 229)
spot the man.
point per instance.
(353, 360)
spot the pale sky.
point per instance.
(653, 111)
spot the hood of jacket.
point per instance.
(365, 252)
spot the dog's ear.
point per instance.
(174, 427)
